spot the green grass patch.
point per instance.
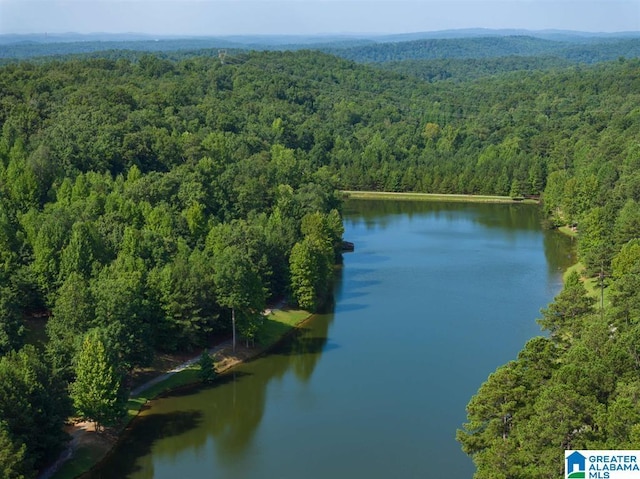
(84, 458)
(279, 323)
(592, 285)
(578, 267)
(383, 195)
(568, 231)
(181, 378)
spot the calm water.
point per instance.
(433, 299)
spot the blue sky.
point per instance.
(228, 17)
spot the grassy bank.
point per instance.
(383, 195)
(91, 448)
(592, 284)
(568, 231)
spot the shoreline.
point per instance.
(87, 449)
(387, 195)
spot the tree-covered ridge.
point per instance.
(466, 69)
(576, 47)
(499, 135)
(492, 47)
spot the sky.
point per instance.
(239, 17)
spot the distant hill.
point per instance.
(594, 50)
(30, 49)
(465, 69)
(471, 43)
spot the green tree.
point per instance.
(595, 235)
(492, 414)
(239, 288)
(73, 315)
(285, 166)
(207, 371)
(627, 224)
(624, 290)
(325, 228)
(33, 405)
(563, 316)
(47, 234)
(196, 219)
(281, 234)
(22, 185)
(9, 245)
(553, 197)
(186, 294)
(248, 238)
(97, 392)
(622, 416)
(13, 460)
(80, 253)
(11, 323)
(310, 264)
(121, 305)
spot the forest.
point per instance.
(146, 198)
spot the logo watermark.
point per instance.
(605, 464)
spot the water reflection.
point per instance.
(380, 213)
(157, 428)
(229, 411)
(559, 249)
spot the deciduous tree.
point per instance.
(97, 392)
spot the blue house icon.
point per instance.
(576, 461)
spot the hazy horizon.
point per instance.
(316, 17)
(445, 33)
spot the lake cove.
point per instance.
(433, 299)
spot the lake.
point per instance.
(434, 298)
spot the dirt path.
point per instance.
(83, 434)
(152, 382)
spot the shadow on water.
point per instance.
(228, 411)
(519, 217)
(369, 258)
(306, 346)
(347, 308)
(364, 284)
(352, 295)
(381, 213)
(143, 433)
(356, 271)
(221, 381)
(560, 251)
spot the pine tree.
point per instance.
(563, 316)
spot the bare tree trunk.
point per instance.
(233, 327)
